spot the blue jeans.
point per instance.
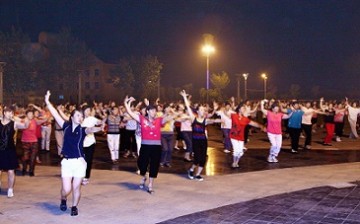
(167, 143)
(226, 134)
(187, 135)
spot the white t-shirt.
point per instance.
(186, 125)
(225, 119)
(88, 123)
(308, 113)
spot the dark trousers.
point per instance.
(89, 155)
(167, 143)
(187, 135)
(122, 141)
(200, 151)
(246, 133)
(295, 137)
(308, 133)
(130, 141)
(339, 129)
(149, 157)
(29, 157)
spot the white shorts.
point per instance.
(73, 167)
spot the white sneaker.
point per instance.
(270, 159)
(10, 193)
(338, 139)
(275, 160)
(227, 151)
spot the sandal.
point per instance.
(142, 183)
(150, 190)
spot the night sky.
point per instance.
(309, 43)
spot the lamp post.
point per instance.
(264, 76)
(207, 50)
(158, 87)
(80, 87)
(238, 77)
(2, 65)
(245, 75)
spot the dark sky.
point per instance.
(301, 42)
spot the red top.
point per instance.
(150, 131)
(29, 134)
(238, 125)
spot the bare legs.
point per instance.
(11, 182)
(71, 184)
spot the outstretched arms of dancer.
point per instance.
(52, 110)
(127, 104)
(187, 104)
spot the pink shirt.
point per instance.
(150, 131)
(29, 134)
(274, 122)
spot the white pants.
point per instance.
(353, 132)
(238, 147)
(138, 143)
(113, 141)
(276, 142)
(45, 135)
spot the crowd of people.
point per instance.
(150, 131)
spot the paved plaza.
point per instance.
(316, 186)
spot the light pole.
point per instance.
(207, 50)
(238, 77)
(158, 88)
(245, 75)
(80, 87)
(2, 65)
(265, 77)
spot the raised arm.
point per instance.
(187, 104)
(322, 107)
(36, 107)
(127, 104)
(53, 111)
(262, 107)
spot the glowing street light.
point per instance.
(265, 77)
(207, 50)
(245, 75)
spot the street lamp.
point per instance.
(2, 65)
(238, 76)
(207, 50)
(245, 75)
(265, 77)
(80, 87)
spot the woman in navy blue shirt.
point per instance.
(73, 165)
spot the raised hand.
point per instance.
(47, 96)
(183, 93)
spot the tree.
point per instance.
(68, 56)
(122, 77)
(16, 78)
(315, 91)
(271, 92)
(220, 82)
(139, 74)
(294, 91)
